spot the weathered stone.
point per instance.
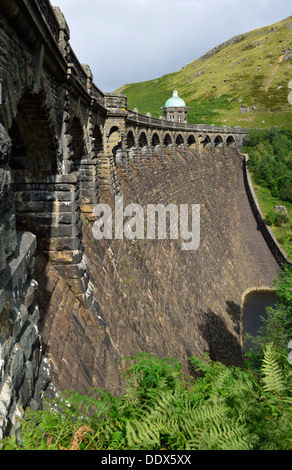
(65, 257)
(17, 371)
(6, 394)
(17, 267)
(28, 339)
(60, 244)
(27, 386)
(30, 293)
(5, 145)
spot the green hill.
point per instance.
(243, 81)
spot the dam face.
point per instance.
(150, 295)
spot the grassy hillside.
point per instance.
(241, 82)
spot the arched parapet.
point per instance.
(143, 143)
(131, 139)
(155, 139)
(218, 141)
(113, 136)
(167, 140)
(179, 141)
(94, 134)
(207, 142)
(204, 141)
(114, 144)
(41, 192)
(89, 169)
(84, 145)
(97, 141)
(230, 141)
(132, 145)
(156, 143)
(191, 140)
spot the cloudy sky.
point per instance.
(126, 41)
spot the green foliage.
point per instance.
(223, 408)
(284, 286)
(270, 160)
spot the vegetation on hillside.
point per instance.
(216, 407)
(270, 165)
(241, 82)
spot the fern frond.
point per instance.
(228, 436)
(273, 377)
(206, 412)
(143, 434)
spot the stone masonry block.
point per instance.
(72, 271)
(65, 257)
(60, 244)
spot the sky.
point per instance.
(127, 41)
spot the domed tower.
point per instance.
(175, 109)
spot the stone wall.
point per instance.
(24, 373)
(149, 295)
(270, 238)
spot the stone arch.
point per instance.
(155, 140)
(207, 141)
(179, 140)
(130, 140)
(131, 145)
(218, 142)
(78, 142)
(114, 138)
(167, 140)
(34, 150)
(191, 140)
(34, 167)
(156, 143)
(230, 142)
(143, 142)
(97, 138)
(115, 151)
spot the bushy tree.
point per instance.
(270, 159)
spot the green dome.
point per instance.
(175, 101)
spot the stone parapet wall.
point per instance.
(268, 235)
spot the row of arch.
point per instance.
(167, 140)
(35, 144)
(35, 147)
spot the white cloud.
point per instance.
(125, 41)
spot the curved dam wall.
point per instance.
(150, 295)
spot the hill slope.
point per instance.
(240, 82)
